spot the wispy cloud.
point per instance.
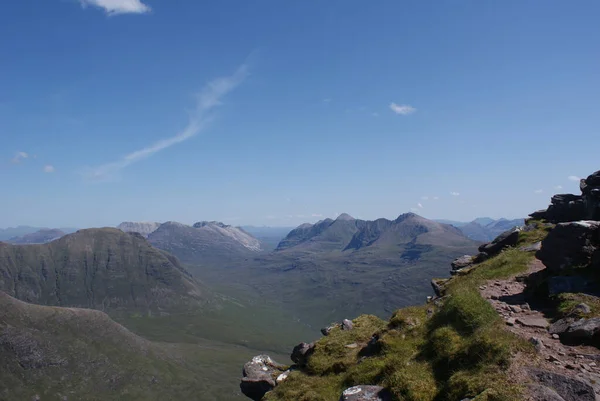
(420, 206)
(455, 193)
(115, 7)
(425, 197)
(574, 178)
(210, 98)
(19, 157)
(436, 198)
(317, 215)
(327, 100)
(558, 187)
(414, 209)
(48, 168)
(538, 191)
(402, 109)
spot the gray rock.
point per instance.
(301, 353)
(537, 343)
(437, 285)
(537, 392)
(462, 262)
(531, 321)
(560, 326)
(570, 244)
(347, 324)
(582, 308)
(326, 330)
(506, 239)
(366, 393)
(260, 376)
(582, 331)
(569, 388)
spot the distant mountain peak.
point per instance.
(345, 217)
(201, 224)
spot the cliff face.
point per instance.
(519, 320)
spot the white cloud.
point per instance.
(49, 168)
(558, 187)
(454, 193)
(574, 178)
(114, 7)
(317, 215)
(414, 209)
(327, 100)
(420, 206)
(402, 109)
(436, 198)
(207, 101)
(19, 157)
(538, 191)
(425, 197)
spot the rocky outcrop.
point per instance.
(302, 352)
(366, 393)
(260, 375)
(144, 228)
(569, 388)
(574, 244)
(568, 207)
(506, 239)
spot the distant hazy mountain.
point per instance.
(39, 237)
(103, 269)
(15, 232)
(269, 237)
(484, 228)
(144, 228)
(205, 242)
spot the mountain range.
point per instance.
(484, 228)
(42, 236)
(16, 232)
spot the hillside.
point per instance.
(520, 320)
(39, 237)
(205, 243)
(53, 353)
(346, 266)
(104, 269)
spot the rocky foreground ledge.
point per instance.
(518, 321)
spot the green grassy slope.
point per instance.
(453, 349)
(82, 354)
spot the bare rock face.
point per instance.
(573, 244)
(366, 393)
(506, 239)
(568, 207)
(260, 375)
(144, 228)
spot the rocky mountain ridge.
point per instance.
(518, 320)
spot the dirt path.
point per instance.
(531, 323)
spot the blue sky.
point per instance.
(279, 112)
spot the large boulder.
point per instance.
(260, 376)
(537, 392)
(590, 189)
(569, 388)
(583, 331)
(506, 239)
(302, 352)
(462, 262)
(572, 244)
(366, 393)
